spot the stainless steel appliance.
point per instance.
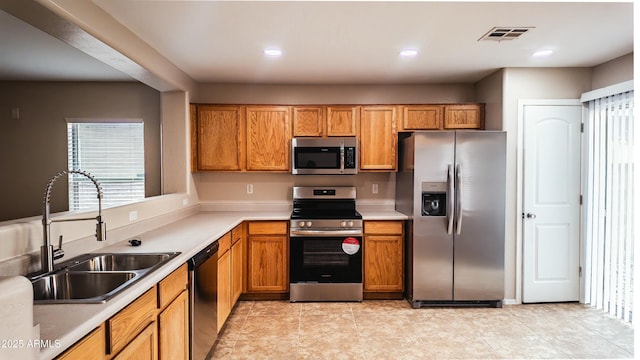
(325, 156)
(203, 307)
(325, 245)
(452, 186)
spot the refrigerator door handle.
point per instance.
(458, 199)
(450, 197)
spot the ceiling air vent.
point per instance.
(505, 33)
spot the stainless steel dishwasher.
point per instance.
(203, 309)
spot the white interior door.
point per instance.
(551, 203)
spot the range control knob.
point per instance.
(301, 224)
(343, 223)
(350, 223)
(309, 223)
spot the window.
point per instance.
(113, 152)
(609, 202)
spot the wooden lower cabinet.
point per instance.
(91, 347)
(154, 326)
(268, 257)
(123, 327)
(224, 288)
(383, 256)
(173, 329)
(237, 271)
(230, 272)
(142, 347)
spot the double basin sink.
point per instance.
(95, 278)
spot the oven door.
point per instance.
(326, 259)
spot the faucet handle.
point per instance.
(58, 253)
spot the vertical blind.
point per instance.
(113, 153)
(609, 205)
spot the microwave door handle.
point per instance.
(342, 157)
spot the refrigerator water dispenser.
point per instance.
(434, 199)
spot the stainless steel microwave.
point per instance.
(325, 156)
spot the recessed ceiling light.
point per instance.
(273, 52)
(543, 52)
(409, 53)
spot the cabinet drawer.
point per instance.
(171, 286)
(383, 227)
(90, 347)
(130, 321)
(236, 234)
(268, 228)
(224, 243)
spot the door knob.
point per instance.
(531, 216)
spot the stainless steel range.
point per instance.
(326, 245)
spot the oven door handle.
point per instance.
(325, 233)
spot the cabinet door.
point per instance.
(91, 347)
(127, 323)
(467, 116)
(173, 329)
(383, 263)
(237, 271)
(268, 263)
(342, 120)
(378, 138)
(224, 288)
(308, 121)
(219, 144)
(142, 347)
(268, 138)
(422, 117)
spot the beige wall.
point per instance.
(333, 94)
(489, 91)
(276, 187)
(612, 72)
(34, 147)
(521, 83)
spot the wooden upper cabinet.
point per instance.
(268, 138)
(219, 140)
(465, 116)
(422, 117)
(308, 120)
(342, 120)
(378, 138)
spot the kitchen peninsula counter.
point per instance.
(62, 325)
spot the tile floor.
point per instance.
(393, 330)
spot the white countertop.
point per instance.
(65, 324)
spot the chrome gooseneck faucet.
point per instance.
(47, 253)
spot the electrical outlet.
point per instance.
(249, 188)
(374, 188)
(185, 201)
(133, 215)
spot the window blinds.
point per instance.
(113, 152)
(609, 205)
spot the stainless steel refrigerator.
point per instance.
(451, 184)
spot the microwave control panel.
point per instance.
(349, 157)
